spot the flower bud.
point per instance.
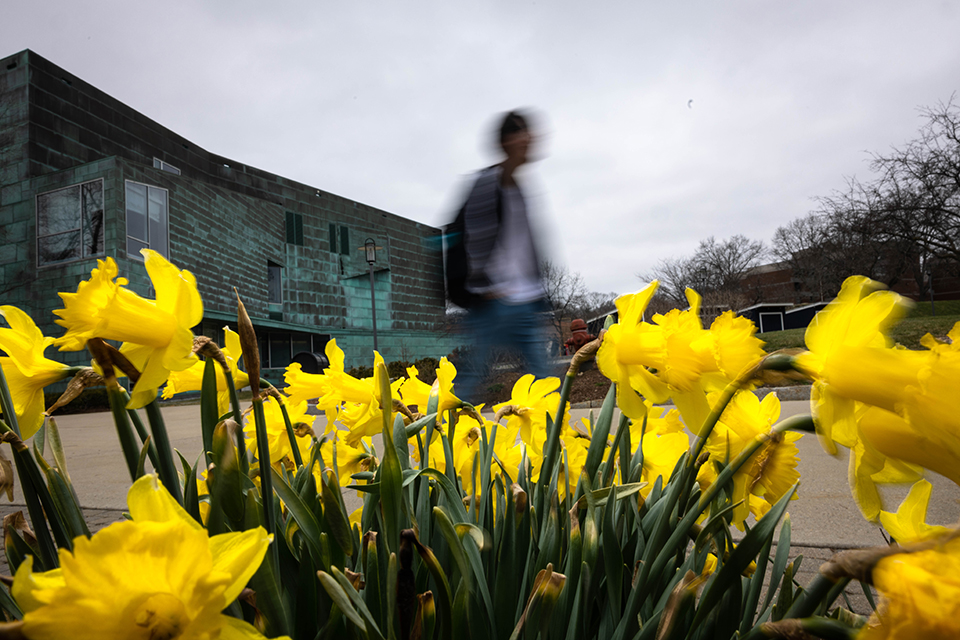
(204, 346)
(6, 479)
(248, 345)
(86, 377)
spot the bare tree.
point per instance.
(564, 291)
(897, 223)
(716, 266)
(725, 263)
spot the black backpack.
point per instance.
(455, 268)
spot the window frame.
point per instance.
(273, 266)
(165, 166)
(38, 237)
(294, 228)
(126, 220)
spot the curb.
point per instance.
(799, 392)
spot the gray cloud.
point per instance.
(389, 103)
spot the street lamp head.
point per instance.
(370, 248)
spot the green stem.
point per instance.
(552, 445)
(128, 443)
(263, 455)
(644, 586)
(141, 431)
(167, 468)
(238, 418)
(6, 404)
(297, 459)
(48, 552)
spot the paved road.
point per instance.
(823, 516)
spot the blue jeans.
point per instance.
(495, 324)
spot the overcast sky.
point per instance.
(663, 122)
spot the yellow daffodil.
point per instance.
(511, 450)
(415, 392)
(156, 333)
(930, 434)
(575, 452)
(277, 438)
(674, 356)
(466, 447)
(625, 346)
(734, 344)
(658, 420)
(909, 523)
(192, 379)
(363, 420)
(344, 388)
(532, 399)
(660, 455)
(920, 595)
(849, 359)
(322, 386)
(350, 460)
(770, 472)
(355, 517)
(26, 369)
(356, 401)
(446, 373)
(156, 576)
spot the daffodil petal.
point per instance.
(149, 501)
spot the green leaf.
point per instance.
(338, 521)
(209, 412)
(128, 443)
(392, 573)
(226, 484)
(166, 468)
(612, 557)
(728, 577)
(8, 604)
(142, 461)
(340, 598)
(418, 425)
(301, 513)
(64, 501)
(467, 556)
(598, 441)
(191, 492)
(357, 602)
(780, 562)
(458, 511)
(756, 585)
(391, 473)
(266, 582)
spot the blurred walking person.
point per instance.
(502, 288)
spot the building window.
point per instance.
(274, 283)
(333, 238)
(344, 241)
(147, 219)
(70, 223)
(294, 228)
(165, 166)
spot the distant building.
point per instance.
(83, 176)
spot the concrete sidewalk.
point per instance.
(824, 518)
(823, 515)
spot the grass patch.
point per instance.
(908, 332)
(944, 308)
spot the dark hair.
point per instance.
(513, 122)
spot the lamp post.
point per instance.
(370, 251)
